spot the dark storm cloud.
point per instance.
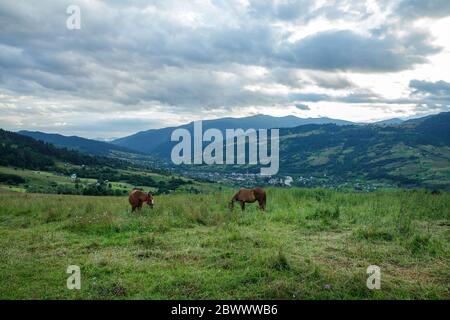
(356, 97)
(439, 88)
(426, 108)
(332, 81)
(106, 57)
(302, 106)
(309, 97)
(196, 56)
(347, 50)
(424, 94)
(432, 96)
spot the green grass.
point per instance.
(41, 180)
(309, 244)
(38, 177)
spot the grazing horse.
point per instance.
(250, 196)
(138, 197)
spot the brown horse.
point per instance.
(138, 197)
(249, 196)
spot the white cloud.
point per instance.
(136, 65)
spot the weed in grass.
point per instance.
(372, 233)
(325, 213)
(145, 241)
(281, 263)
(110, 290)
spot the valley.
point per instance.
(408, 154)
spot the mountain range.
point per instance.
(407, 153)
(151, 140)
(147, 142)
(413, 152)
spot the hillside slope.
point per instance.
(413, 153)
(73, 142)
(35, 166)
(410, 155)
(25, 152)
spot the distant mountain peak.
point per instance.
(150, 140)
(389, 122)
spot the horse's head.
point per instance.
(150, 201)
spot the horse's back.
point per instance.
(259, 190)
(246, 194)
(134, 196)
(251, 195)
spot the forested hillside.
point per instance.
(30, 165)
(25, 152)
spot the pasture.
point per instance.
(309, 244)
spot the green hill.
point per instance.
(25, 152)
(77, 143)
(414, 153)
(36, 166)
(411, 154)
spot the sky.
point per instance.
(136, 65)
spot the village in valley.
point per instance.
(287, 181)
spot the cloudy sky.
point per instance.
(138, 64)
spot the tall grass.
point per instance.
(309, 244)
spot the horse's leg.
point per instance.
(133, 208)
(242, 205)
(263, 203)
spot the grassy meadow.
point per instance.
(309, 244)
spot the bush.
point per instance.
(11, 179)
(280, 262)
(419, 243)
